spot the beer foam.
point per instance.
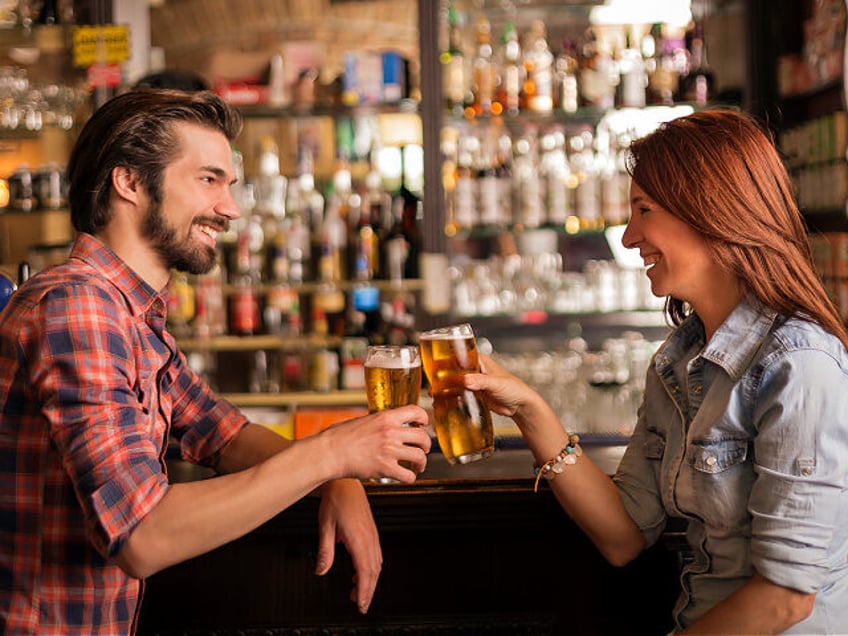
(386, 361)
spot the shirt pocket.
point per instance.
(718, 483)
(714, 457)
(654, 445)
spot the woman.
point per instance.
(743, 428)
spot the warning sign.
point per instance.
(101, 44)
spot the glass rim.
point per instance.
(451, 331)
(391, 347)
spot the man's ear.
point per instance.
(125, 184)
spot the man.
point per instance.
(92, 387)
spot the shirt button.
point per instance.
(711, 461)
(697, 390)
(807, 471)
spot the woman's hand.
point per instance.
(502, 392)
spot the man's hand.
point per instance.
(345, 516)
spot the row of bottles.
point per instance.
(485, 73)
(26, 13)
(205, 307)
(814, 152)
(830, 255)
(290, 232)
(27, 190)
(286, 266)
(569, 179)
(324, 362)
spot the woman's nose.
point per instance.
(629, 237)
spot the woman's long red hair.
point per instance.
(719, 171)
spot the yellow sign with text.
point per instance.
(101, 44)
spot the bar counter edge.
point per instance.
(466, 549)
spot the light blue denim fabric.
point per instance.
(747, 441)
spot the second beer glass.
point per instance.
(462, 421)
(392, 379)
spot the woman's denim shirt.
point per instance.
(747, 440)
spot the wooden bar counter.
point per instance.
(467, 550)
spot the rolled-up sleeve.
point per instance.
(82, 368)
(637, 476)
(204, 423)
(801, 461)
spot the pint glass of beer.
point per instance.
(392, 379)
(462, 421)
(392, 376)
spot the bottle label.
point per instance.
(465, 207)
(490, 213)
(245, 312)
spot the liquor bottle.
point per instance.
(181, 306)
(675, 57)
(412, 208)
(368, 231)
(511, 74)
(23, 272)
(399, 319)
(270, 187)
(528, 183)
(455, 76)
(403, 240)
(588, 194)
(660, 85)
(484, 71)
(49, 12)
(538, 64)
(505, 177)
(597, 73)
(615, 182)
(352, 349)
(633, 76)
(210, 314)
(323, 361)
(698, 85)
(281, 313)
(312, 208)
(205, 364)
(488, 186)
(297, 235)
(565, 78)
(333, 243)
(244, 300)
(556, 173)
(465, 211)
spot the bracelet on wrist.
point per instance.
(556, 465)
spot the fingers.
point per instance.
(367, 563)
(326, 550)
(373, 445)
(364, 586)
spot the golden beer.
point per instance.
(392, 379)
(388, 387)
(462, 420)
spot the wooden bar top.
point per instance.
(466, 550)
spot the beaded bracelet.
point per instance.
(555, 466)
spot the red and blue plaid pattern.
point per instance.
(91, 389)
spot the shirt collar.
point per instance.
(140, 296)
(733, 345)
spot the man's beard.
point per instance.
(183, 255)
